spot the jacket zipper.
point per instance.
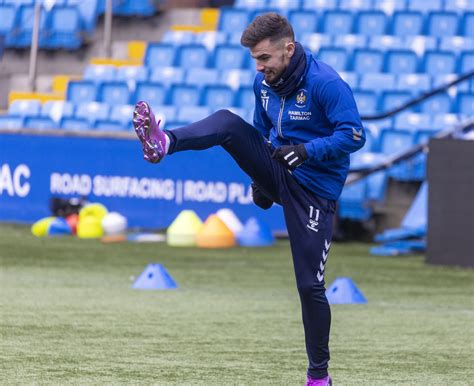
(282, 107)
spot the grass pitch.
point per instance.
(69, 316)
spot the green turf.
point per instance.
(69, 316)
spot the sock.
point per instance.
(167, 144)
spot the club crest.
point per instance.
(301, 98)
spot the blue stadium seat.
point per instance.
(303, 21)
(24, 107)
(171, 125)
(100, 73)
(131, 74)
(425, 6)
(7, 21)
(109, 125)
(371, 23)
(335, 57)
(440, 24)
(467, 24)
(412, 121)
(229, 57)
(65, 29)
(57, 110)
(92, 111)
(420, 44)
(210, 39)
(319, 4)
(114, 93)
(233, 20)
(122, 114)
(89, 10)
(134, 8)
(386, 42)
(178, 38)
(466, 62)
(443, 121)
(284, 4)
(461, 6)
(202, 76)
(352, 203)
(250, 4)
(77, 124)
(236, 78)
(375, 126)
(193, 113)
(390, 6)
(439, 62)
(355, 5)
(377, 82)
(40, 123)
(160, 55)
(407, 23)
(350, 42)
(366, 101)
(245, 97)
(167, 75)
(465, 103)
(401, 62)
(23, 29)
(393, 141)
(337, 22)
(367, 60)
(166, 113)
(218, 97)
(415, 82)
(81, 91)
(445, 79)
(377, 186)
(437, 104)
(314, 41)
(153, 93)
(351, 78)
(393, 99)
(19, 2)
(184, 95)
(11, 122)
(456, 43)
(192, 56)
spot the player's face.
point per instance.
(272, 58)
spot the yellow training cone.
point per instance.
(40, 227)
(183, 230)
(215, 234)
(95, 210)
(89, 227)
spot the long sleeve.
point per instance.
(336, 99)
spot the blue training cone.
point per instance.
(59, 227)
(255, 234)
(344, 291)
(155, 277)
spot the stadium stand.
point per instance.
(389, 51)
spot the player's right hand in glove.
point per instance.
(259, 198)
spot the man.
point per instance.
(306, 124)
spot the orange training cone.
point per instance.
(215, 234)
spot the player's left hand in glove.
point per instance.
(291, 156)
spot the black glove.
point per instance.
(259, 198)
(291, 156)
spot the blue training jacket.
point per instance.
(323, 115)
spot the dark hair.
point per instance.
(269, 25)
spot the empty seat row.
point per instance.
(386, 5)
(362, 22)
(368, 102)
(118, 93)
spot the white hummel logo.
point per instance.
(322, 264)
(356, 134)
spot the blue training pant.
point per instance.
(308, 217)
